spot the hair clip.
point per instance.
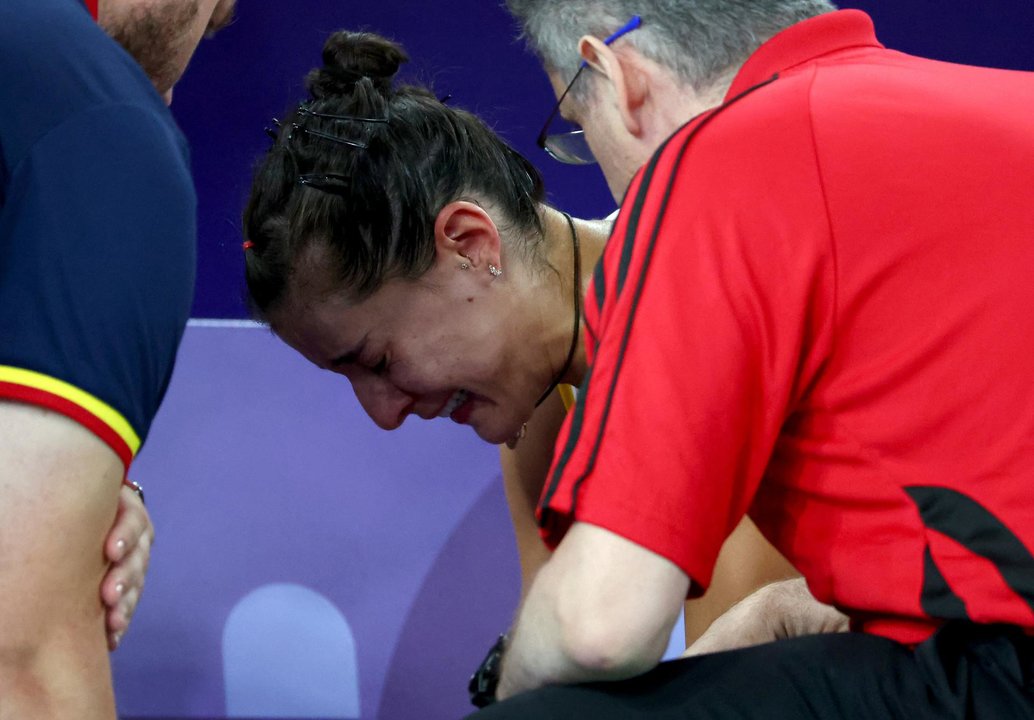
(247, 244)
(333, 183)
(330, 116)
(274, 132)
(445, 98)
(325, 136)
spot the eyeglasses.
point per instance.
(569, 146)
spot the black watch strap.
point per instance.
(485, 679)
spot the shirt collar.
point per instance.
(805, 41)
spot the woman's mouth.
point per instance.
(458, 398)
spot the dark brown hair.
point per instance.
(363, 169)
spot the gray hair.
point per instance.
(700, 41)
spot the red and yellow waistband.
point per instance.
(94, 414)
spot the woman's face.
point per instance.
(446, 345)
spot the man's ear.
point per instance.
(625, 76)
(465, 233)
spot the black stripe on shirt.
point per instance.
(599, 281)
(975, 528)
(632, 232)
(633, 220)
(599, 288)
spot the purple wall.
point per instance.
(466, 48)
(262, 469)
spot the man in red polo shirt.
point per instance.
(815, 308)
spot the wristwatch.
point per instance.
(486, 678)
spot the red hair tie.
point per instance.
(248, 245)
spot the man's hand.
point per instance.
(128, 549)
(778, 611)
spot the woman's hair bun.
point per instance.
(349, 57)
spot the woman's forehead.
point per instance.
(314, 325)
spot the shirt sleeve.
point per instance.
(97, 254)
(710, 310)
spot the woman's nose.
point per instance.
(383, 402)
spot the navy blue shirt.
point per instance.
(97, 224)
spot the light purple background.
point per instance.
(261, 469)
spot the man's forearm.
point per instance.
(781, 610)
(540, 654)
(533, 657)
(529, 663)
(804, 615)
(602, 608)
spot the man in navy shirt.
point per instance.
(97, 233)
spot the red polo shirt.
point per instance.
(817, 307)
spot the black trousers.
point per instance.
(963, 672)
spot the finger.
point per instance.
(117, 619)
(112, 588)
(127, 576)
(133, 569)
(114, 640)
(131, 523)
(119, 580)
(127, 607)
(116, 623)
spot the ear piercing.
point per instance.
(495, 271)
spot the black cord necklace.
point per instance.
(577, 310)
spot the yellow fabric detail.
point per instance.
(567, 395)
(96, 407)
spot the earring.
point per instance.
(464, 266)
(512, 442)
(496, 272)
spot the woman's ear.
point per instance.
(624, 75)
(465, 234)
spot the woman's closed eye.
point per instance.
(381, 367)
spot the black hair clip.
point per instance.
(333, 183)
(304, 110)
(295, 127)
(274, 132)
(444, 99)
